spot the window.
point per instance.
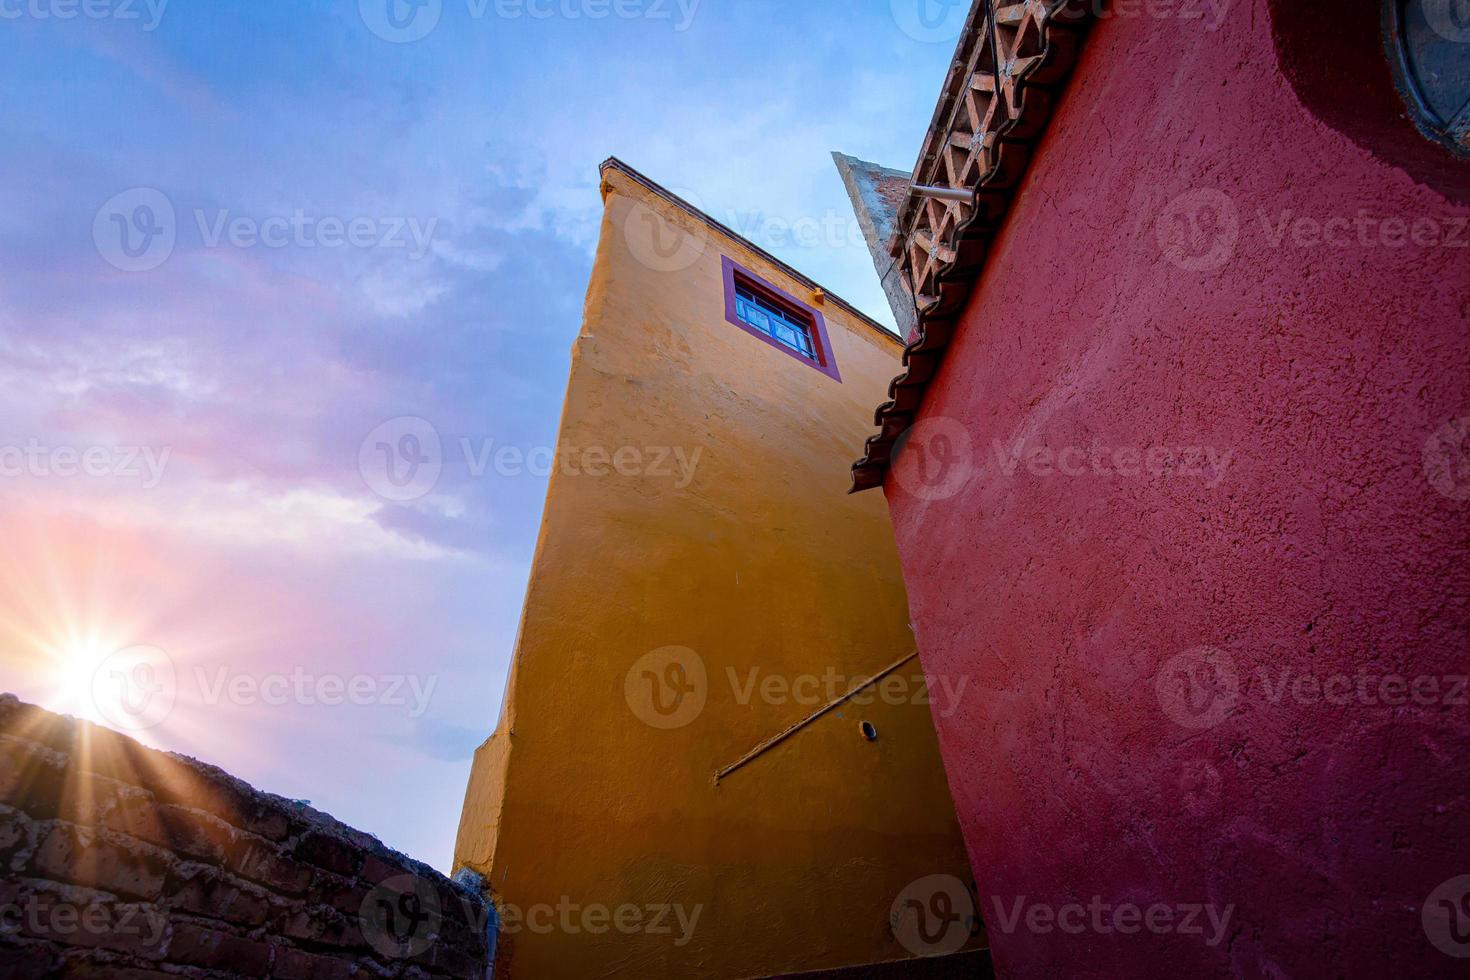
(782, 325)
(1426, 40)
(779, 319)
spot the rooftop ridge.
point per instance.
(614, 163)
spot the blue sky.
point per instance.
(251, 350)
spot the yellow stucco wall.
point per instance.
(760, 562)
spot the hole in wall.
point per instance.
(869, 732)
(1342, 61)
(1427, 48)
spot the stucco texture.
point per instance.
(761, 562)
(1145, 645)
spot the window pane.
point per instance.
(780, 325)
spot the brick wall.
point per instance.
(120, 861)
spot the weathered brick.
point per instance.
(375, 870)
(32, 777)
(194, 785)
(250, 884)
(75, 969)
(195, 945)
(14, 832)
(295, 964)
(330, 854)
(96, 859)
(460, 936)
(260, 861)
(319, 924)
(211, 893)
(346, 895)
(89, 800)
(26, 961)
(98, 751)
(29, 721)
(264, 822)
(79, 917)
(192, 833)
(445, 958)
(13, 891)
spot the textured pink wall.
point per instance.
(1098, 757)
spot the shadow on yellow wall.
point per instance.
(703, 595)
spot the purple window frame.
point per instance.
(826, 361)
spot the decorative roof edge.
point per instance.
(1012, 61)
(613, 163)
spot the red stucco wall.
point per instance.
(1143, 723)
